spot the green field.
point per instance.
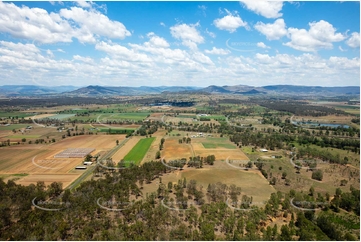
(24, 136)
(61, 116)
(14, 114)
(139, 150)
(123, 116)
(217, 117)
(213, 143)
(13, 126)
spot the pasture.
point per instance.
(252, 183)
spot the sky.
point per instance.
(248, 42)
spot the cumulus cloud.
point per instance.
(189, 34)
(230, 23)
(217, 51)
(272, 31)
(38, 25)
(320, 36)
(262, 45)
(268, 9)
(354, 40)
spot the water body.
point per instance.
(313, 124)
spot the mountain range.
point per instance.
(32, 90)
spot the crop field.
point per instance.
(14, 114)
(139, 150)
(39, 162)
(123, 116)
(24, 136)
(100, 142)
(125, 149)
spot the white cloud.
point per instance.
(320, 36)
(84, 4)
(162, 24)
(213, 35)
(82, 58)
(268, 9)
(121, 52)
(354, 40)
(93, 22)
(272, 31)
(157, 41)
(217, 51)
(230, 22)
(189, 34)
(203, 8)
(38, 25)
(262, 45)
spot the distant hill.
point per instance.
(142, 90)
(94, 90)
(313, 89)
(30, 90)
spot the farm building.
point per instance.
(80, 167)
(263, 150)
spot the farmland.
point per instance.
(143, 135)
(139, 150)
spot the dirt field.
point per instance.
(40, 116)
(66, 179)
(38, 160)
(123, 151)
(174, 150)
(99, 142)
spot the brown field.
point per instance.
(98, 142)
(66, 179)
(38, 160)
(326, 119)
(42, 116)
(123, 151)
(174, 150)
(129, 126)
(222, 154)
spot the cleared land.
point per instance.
(66, 179)
(252, 183)
(87, 141)
(173, 150)
(139, 150)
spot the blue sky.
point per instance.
(180, 43)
